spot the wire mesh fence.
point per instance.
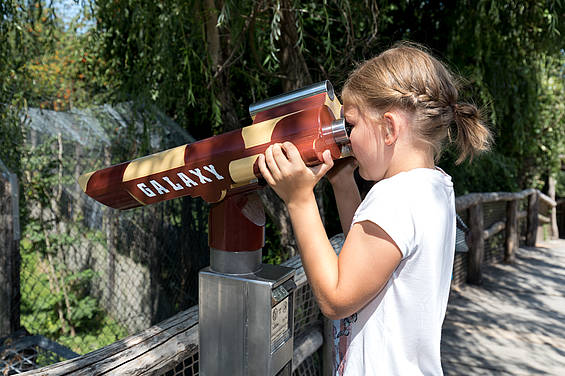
(494, 212)
(91, 275)
(24, 352)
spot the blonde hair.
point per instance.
(408, 78)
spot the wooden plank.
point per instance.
(328, 348)
(110, 362)
(163, 354)
(9, 253)
(547, 200)
(511, 241)
(552, 182)
(533, 209)
(472, 199)
(477, 244)
(306, 345)
(174, 360)
(6, 239)
(119, 348)
(543, 219)
(494, 229)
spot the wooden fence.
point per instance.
(171, 347)
(9, 253)
(531, 206)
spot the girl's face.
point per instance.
(368, 143)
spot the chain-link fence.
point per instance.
(91, 275)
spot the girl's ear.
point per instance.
(391, 127)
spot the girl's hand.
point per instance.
(285, 171)
(342, 170)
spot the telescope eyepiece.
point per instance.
(338, 131)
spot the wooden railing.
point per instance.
(471, 206)
(171, 347)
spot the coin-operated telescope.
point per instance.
(245, 307)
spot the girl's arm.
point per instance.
(341, 285)
(345, 190)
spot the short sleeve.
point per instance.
(386, 206)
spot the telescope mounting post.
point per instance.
(246, 308)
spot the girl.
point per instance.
(390, 282)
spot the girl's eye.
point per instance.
(348, 128)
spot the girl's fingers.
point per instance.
(265, 170)
(327, 156)
(292, 152)
(281, 159)
(323, 168)
(272, 163)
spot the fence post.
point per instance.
(511, 231)
(477, 246)
(9, 253)
(328, 348)
(552, 182)
(533, 207)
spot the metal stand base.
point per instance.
(235, 262)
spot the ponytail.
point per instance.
(473, 136)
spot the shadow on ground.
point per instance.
(514, 323)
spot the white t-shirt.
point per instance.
(399, 331)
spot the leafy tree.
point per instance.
(205, 62)
(43, 64)
(506, 49)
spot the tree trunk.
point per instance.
(293, 65)
(296, 75)
(218, 48)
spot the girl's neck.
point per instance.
(406, 159)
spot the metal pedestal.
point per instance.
(246, 319)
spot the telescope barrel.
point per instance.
(226, 164)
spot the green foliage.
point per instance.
(508, 52)
(12, 101)
(56, 300)
(272, 250)
(40, 305)
(560, 184)
(167, 52)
